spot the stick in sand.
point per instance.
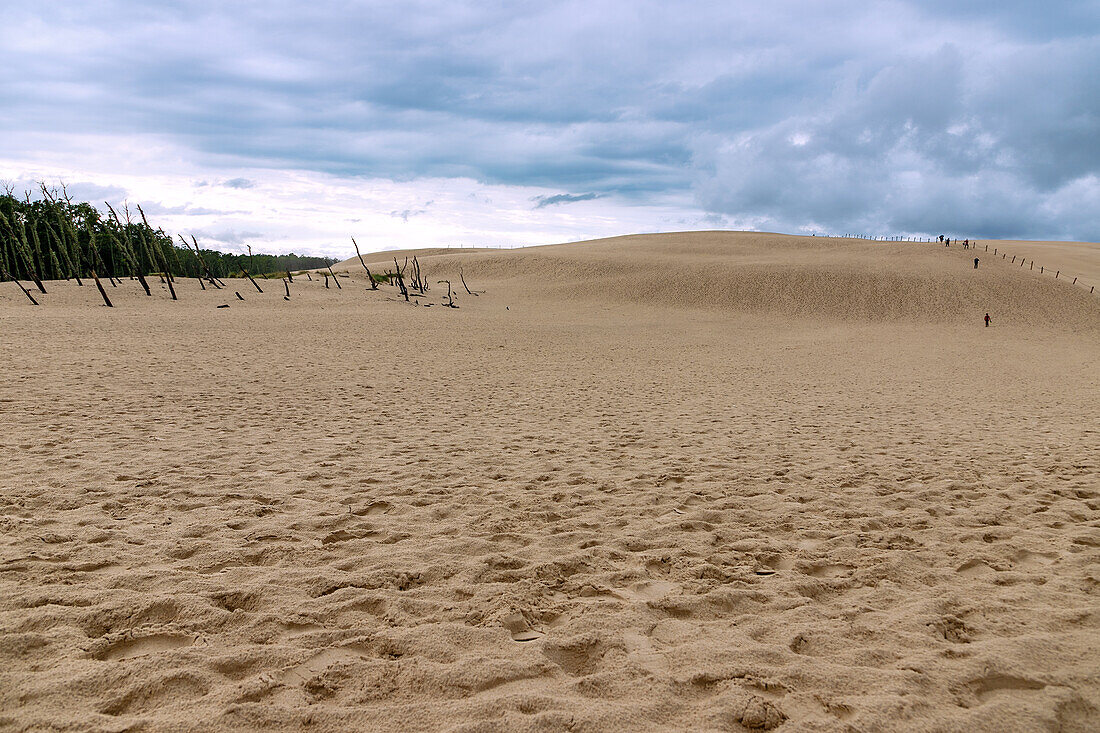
(338, 286)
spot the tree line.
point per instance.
(53, 238)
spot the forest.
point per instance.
(53, 238)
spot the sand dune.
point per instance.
(780, 275)
(709, 481)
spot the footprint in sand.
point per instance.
(829, 571)
(647, 590)
(986, 688)
(519, 629)
(1029, 559)
(373, 509)
(129, 648)
(770, 565)
(318, 663)
(974, 569)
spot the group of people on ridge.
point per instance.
(947, 242)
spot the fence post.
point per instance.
(1040, 269)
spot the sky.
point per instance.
(293, 126)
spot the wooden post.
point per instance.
(239, 296)
(338, 286)
(102, 292)
(1074, 281)
(326, 279)
(287, 286)
(1057, 274)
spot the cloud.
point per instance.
(935, 115)
(228, 236)
(405, 214)
(562, 198)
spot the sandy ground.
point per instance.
(708, 482)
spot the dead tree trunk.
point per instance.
(102, 292)
(198, 253)
(373, 284)
(401, 280)
(217, 283)
(287, 286)
(25, 291)
(450, 299)
(253, 281)
(334, 279)
(463, 279)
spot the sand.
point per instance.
(709, 481)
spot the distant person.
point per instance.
(975, 263)
(966, 244)
(948, 242)
(941, 237)
(987, 320)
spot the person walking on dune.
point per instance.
(987, 320)
(975, 263)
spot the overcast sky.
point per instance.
(294, 125)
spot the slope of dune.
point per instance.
(775, 274)
(716, 482)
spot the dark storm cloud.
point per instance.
(930, 116)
